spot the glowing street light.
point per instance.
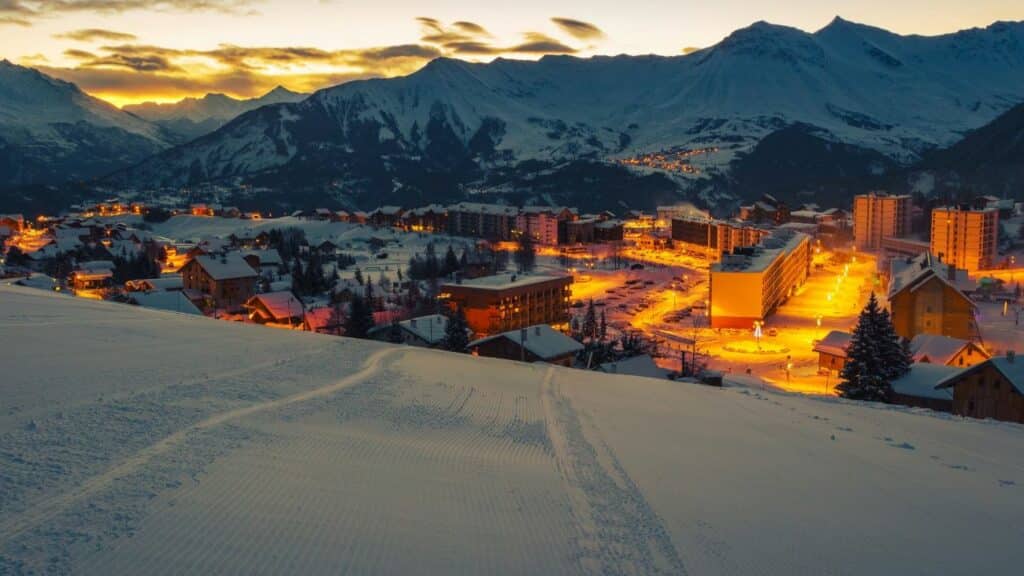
(757, 332)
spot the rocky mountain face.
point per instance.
(191, 118)
(457, 128)
(50, 131)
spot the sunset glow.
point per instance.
(164, 50)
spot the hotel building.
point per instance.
(495, 304)
(750, 283)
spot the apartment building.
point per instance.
(750, 283)
(877, 215)
(495, 304)
(965, 238)
(488, 221)
(542, 223)
(715, 237)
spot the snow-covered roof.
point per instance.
(922, 379)
(96, 266)
(936, 348)
(642, 365)
(388, 210)
(835, 343)
(541, 340)
(912, 273)
(506, 281)
(267, 257)
(281, 305)
(174, 301)
(478, 208)
(163, 283)
(226, 267)
(429, 328)
(1011, 367)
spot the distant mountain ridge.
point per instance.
(190, 118)
(455, 125)
(51, 131)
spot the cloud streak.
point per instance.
(93, 34)
(24, 12)
(117, 67)
(579, 29)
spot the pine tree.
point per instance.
(865, 375)
(455, 333)
(360, 318)
(451, 262)
(603, 329)
(893, 350)
(590, 328)
(359, 276)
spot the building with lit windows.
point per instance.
(543, 223)
(488, 221)
(877, 215)
(965, 238)
(495, 304)
(750, 283)
(714, 237)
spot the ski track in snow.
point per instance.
(619, 531)
(53, 506)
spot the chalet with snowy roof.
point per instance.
(281, 308)
(927, 296)
(918, 387)
(832, 351)
(386, 217)
(539, 343)
(264, 261)
(173, 301)
(93, 279)
(323, 214)
(938, 349)
(424, 331)
(169, 283)
(324, 320)
(992, 389)
(227, 279)
(358, 217)
(642, 365)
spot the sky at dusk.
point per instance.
(135, 50)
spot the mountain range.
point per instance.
(456, 127)
(191, 118)
(51, 131)
(770, 108)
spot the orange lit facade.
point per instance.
(495, 304)
(965, 238)
(751, 283)
(877, 216)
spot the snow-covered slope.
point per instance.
(138, 441)
(52, 131)
(895, 94)
(192, 117)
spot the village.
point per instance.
(769, 298)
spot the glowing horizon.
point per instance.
(166, 50)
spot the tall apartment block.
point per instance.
(878, 215)
(965, 238)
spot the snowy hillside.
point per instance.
(137, 441)
(192, 117)
(51, 131)
(898, 95)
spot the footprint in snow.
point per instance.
(960, 467)
(903, 445)
(1007, 483)
(844, 428)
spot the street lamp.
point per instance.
(757, 332)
